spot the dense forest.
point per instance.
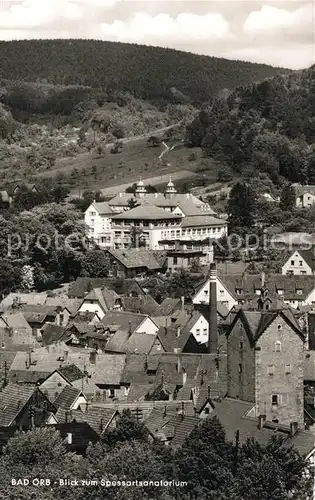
(147, 72)
(266, 128)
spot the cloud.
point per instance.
(34, 13)
(142, 27)
(270, 18)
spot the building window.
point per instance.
(240, 368)
(302, 272)
(92, 213)
(126, 391)
(198, 331)
(288, 368)
(175, 261)
(301, 262)
(271, 370)
(278, 345)
(111, 393)
(221, 292)
(241, 345)
(292, 262)
(275, 399)
(205, 331)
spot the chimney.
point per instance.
(211, 253)
(178, 331)
(102, 425)
(293, 428)
(183, 410)
(129, 328)
(69, 438)
(261, 421)
(213, 326)
(166, 325)
(184, 376)
(209, 392)
(29, 358)
(263, 279)
(66, 356)
(93, 357)
(183, 302)
(178, 365)
(66, 417)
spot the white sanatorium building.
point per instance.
(160, 221)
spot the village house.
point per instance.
(100, 301)
(130, 322)
(97, 418)
(265, 360)
(56, 381)
(23, 406)
(98, 220)
(305, 196)
(300, 262)
(295, 290)
(237, 415)
(135, 262)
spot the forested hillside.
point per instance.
(262, 128)
(147, 72)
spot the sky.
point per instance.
(280, 33)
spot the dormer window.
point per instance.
(258, 291)
(280, 291)
(239, 291)
(299, 291)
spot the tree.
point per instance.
(38, 446)
(117, 147)
(132, 203)
(95, 264)
(271, 470)
(94, 171)
(205, 461)
(128, 428)
(241, 208)
(154, 141)
(27, 278)
(287, 198)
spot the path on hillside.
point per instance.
(64, 168)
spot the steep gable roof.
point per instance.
(256, 322)
(13, 398)
(52, 333)
(125, 320)
(308, 256)
(81, 286)
(104, 296)
(97, 417)
(67, 397)
(144, 304)
(134, 258)
(244, 287)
